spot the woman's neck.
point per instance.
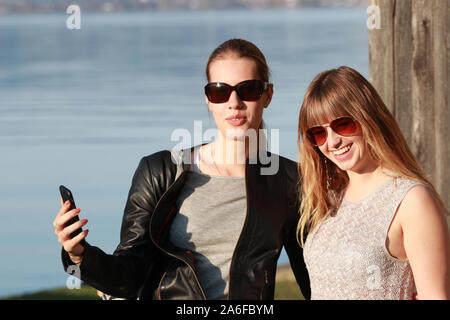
(231, 152)
(362, 183)
(227, 157)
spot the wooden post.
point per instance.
(410, 68)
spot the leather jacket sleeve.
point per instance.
(122, 273)
(291, 244)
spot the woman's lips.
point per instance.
(236, 120)
(344, 155)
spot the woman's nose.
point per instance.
(234, 102)
(334, 140)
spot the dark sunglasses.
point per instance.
(344, 126)
(249, 90)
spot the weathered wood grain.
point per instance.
(410, 68)
(381, 53)
(441, 54)
(422, 86)
(402, 67)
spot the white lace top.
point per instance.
(346, 254)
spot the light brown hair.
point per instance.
(242, 49)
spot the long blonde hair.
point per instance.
(345, 92)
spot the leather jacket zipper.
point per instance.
(159, 286)
(189, 265)
(171, 254)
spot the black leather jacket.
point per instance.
(146, 265)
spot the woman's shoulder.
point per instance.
(418, 203)
(290, 167)
(162, 160)
(174, 156)
(157, 156)
(287, 170)
(283, 162)
(418, 196)
(397, 187)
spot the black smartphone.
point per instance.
(66, 194)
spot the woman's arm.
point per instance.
(426, 242)
(122, 273)
(291, 245)
(297, 262)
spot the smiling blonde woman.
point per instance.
(377, 227)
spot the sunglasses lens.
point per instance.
(217, 92)
(344, 126)
(250, 90)
(317, 135)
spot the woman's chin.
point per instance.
(346, 165)
(240, 134)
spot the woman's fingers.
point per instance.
(64, 208)
(73, 246)
(61, 221)
(63, 231)
(67, 231)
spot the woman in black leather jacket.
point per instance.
(207, 222)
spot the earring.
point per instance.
(327, 174)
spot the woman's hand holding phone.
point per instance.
(71, 245)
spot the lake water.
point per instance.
(81, 107)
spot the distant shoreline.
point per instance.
(103, 6)
(186, 11)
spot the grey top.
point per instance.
(211, 214)
(346, 254)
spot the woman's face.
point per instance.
(349, 153)
(235, 117)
